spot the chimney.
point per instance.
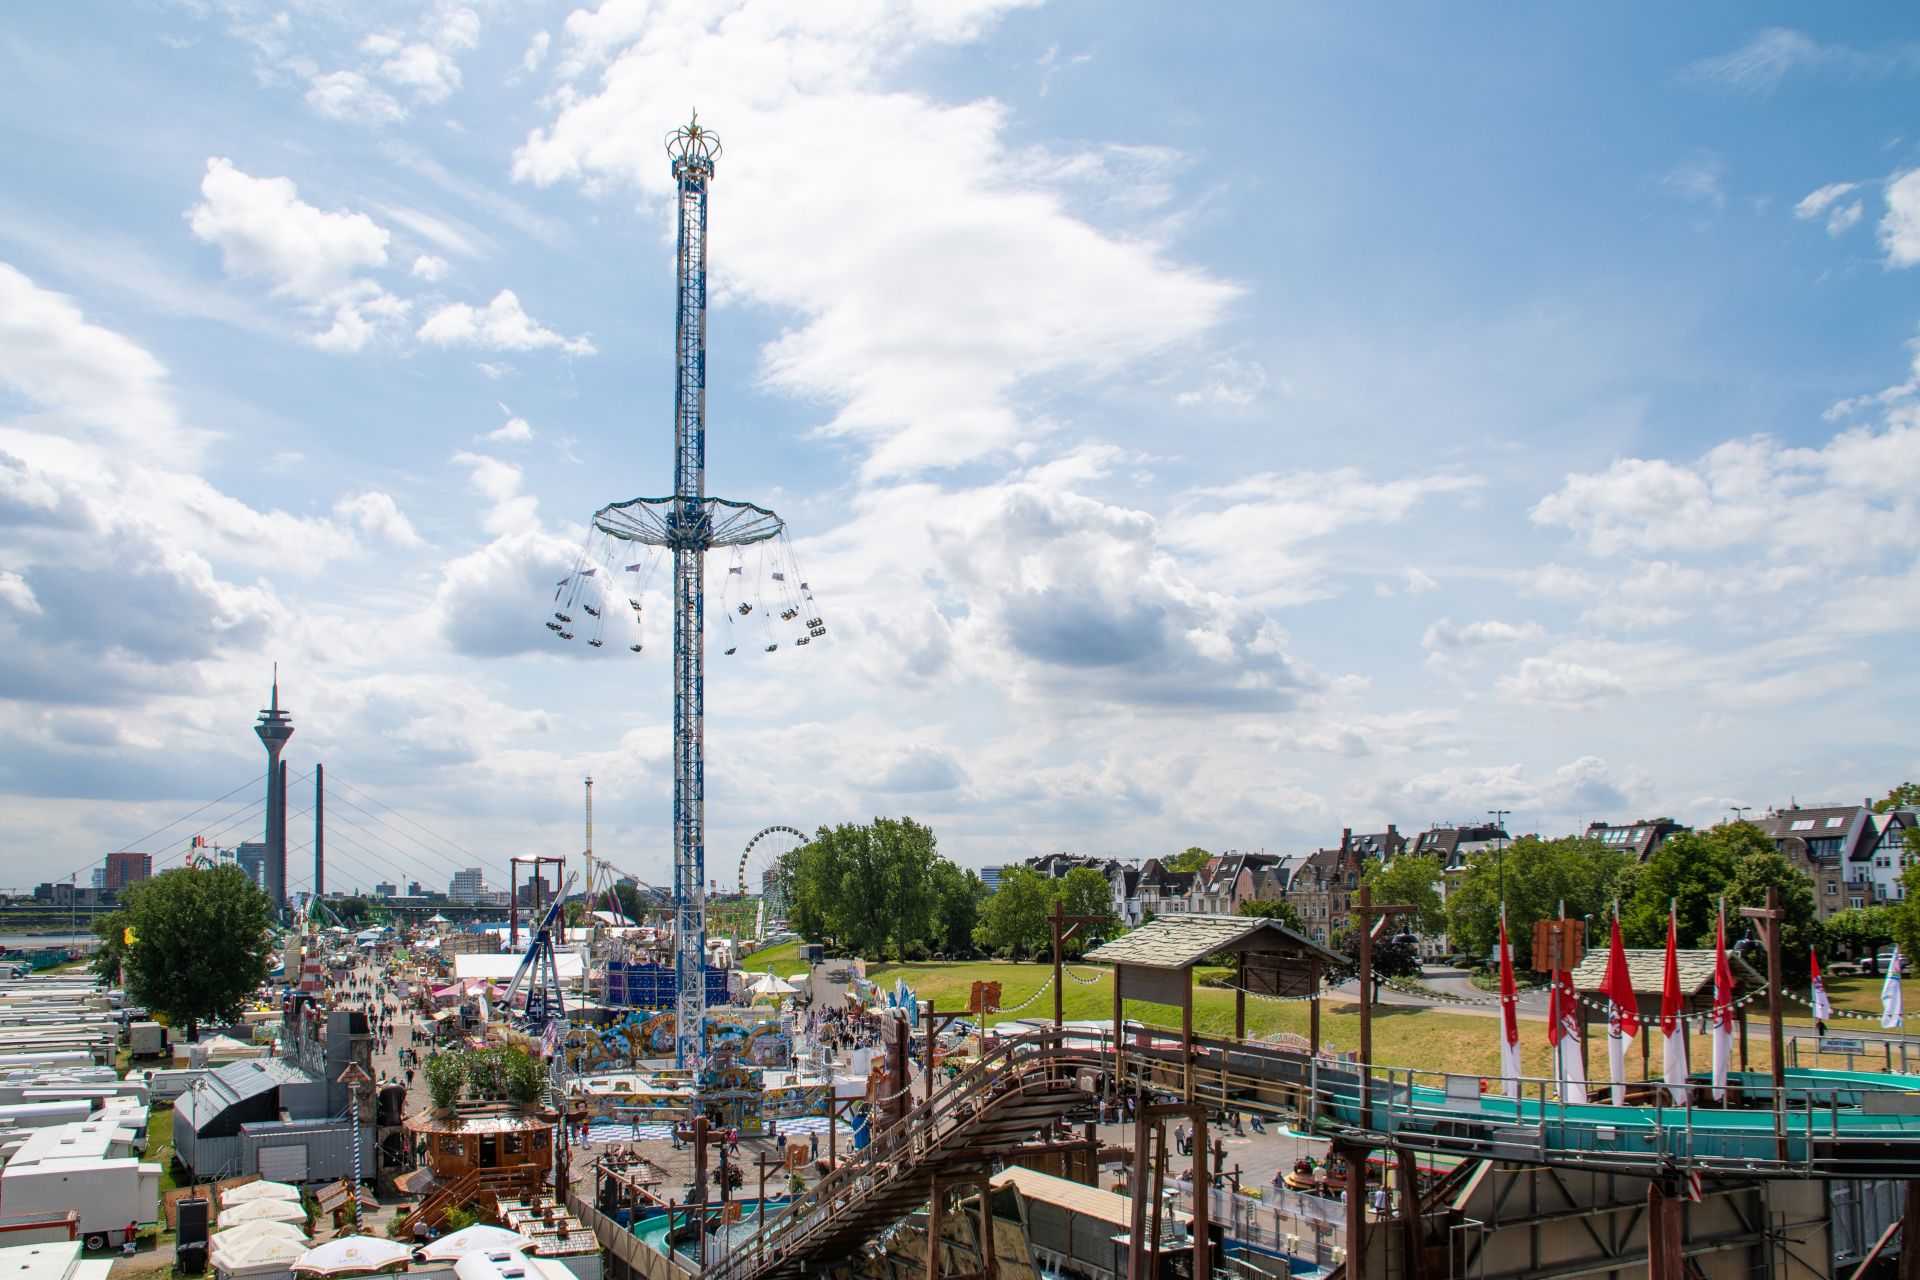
(1346, 836)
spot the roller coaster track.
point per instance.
(1825, 1125)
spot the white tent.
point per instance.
(261, 1229)
(262, 1211)
(769, 985)
(261, 1255)
(351, 1255)
(262, 1190)
(481, 1239)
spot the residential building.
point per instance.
(1228, 880)
(1637, 838)
(1056, 865)
(1160, 891)
(126, 868)
(1826, 842)
(1455, 846)
(467, 886)
(1322, 889)
(1877, 863)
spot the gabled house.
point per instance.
(1827, 842)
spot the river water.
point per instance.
(32, 941)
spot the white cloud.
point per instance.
(1554, 685)
(349, 96)
(314, 257)
(515, 430)
(536, 51)
(1584, 788)
(1761, 64)
(429, 268)
(1900, 228)
(1840, 217)
(501, 325)
(1444, 634)
(1699, 179)
(924, 300)
(377, 514)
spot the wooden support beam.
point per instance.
(1910, 1234)
(1202, 1200)
(1240, 997)
(933, 1232)
(1138, 1180)
(1664, 1232)
(1413, 1236)
(989, 1265)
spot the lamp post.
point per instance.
(1499, 817)
(1739, 809)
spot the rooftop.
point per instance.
(1184, 940)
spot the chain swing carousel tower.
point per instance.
(689, 524)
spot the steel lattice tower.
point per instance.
(690, 524)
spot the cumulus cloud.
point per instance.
(1900, 228)
(515, 430)
(396, 68)
(501, 325)
(312, 256)
(430, 267)
(120, 563)
(923, 301)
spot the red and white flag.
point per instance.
(1722, 1022)
(1822, 1007)
(1673, 1027)
(1509, 1015)
(1623, 1016)
(1563, 1033)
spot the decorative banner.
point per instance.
(1722, 1008)
(1509, 1015)
(1892, 1010)
(1623, 1017)
(1673, 1027)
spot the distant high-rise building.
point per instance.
(467, 886)
(990, 877)
(99, 877)
(251, 857)
(536, 891)
(384, 890)
(124, 868)
(275, 727)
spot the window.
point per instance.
(1853, 901)
(1802, 824)
(1836, 822)
(1832, 888)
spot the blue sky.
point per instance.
(1211, 427)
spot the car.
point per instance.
(1879, 961)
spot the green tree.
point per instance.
(1904, 796)
(1410, 880)
(1862, 931)
(634, 904)
(1540, 876)
(201, 943)
(870, 888)
(1014, 920)
(1081, 892)
(109, 958)
(1193, 859)
(446, 1077)
(1272, 909)
(1689, 871)
(575, 913)
(957, 895)
(1906, 912)
(1800, 932)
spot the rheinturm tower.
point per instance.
(275, 727)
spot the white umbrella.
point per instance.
(261, 1253)
(262, 1190)
(351, 1255)
(261, 1229)
(482, 1239)
(262, 1211)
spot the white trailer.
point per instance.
(108, 1195)
(164, 1084)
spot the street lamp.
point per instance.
(1739, 809)
(1499, 817)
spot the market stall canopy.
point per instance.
(481, 1239)
(352, 1256)
(261, 1229)
(262, 1211)
(262, 1190)
(769, 985)
(437, 918)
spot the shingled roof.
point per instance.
(1184, 940)
(1648, 970)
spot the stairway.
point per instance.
(957, 1135)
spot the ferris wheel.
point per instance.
(760, 870)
